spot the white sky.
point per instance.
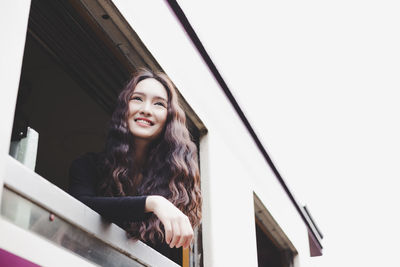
(320, 82)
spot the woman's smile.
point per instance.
(144, 122)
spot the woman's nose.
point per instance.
(145, 108)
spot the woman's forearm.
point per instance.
(152, 202)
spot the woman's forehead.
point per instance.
(151, 87)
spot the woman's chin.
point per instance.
(145, 135)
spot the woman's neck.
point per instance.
(140, 152)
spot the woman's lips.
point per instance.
(144, 121)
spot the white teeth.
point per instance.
(143, 121)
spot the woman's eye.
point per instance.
(160, 104)
(138, 98)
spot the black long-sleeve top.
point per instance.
(85, 176)
(84, 179)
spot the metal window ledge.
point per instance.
(33, 187)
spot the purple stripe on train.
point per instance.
(10, 260)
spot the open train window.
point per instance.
(274, 249)
(78, 56)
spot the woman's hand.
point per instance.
(178, 230)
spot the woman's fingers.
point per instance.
(176, 234)
(188, 239)
(186, 231)
(182, 233)
(187, 243)
(168, 232)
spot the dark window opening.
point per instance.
(68, 88)
(268, 252)
(71, 75)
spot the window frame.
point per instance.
(37, 189)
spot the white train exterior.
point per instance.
(240, 186)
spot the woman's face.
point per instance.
(148, 109)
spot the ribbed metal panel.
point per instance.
(74, 44)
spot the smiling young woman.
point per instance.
(147, 178)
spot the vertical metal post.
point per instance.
(13, 28)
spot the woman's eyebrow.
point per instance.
(161, 98)
(138, 93)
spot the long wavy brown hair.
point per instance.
(170, 170)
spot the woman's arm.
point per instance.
(178, 230)
(84, 177)
(83, 180)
